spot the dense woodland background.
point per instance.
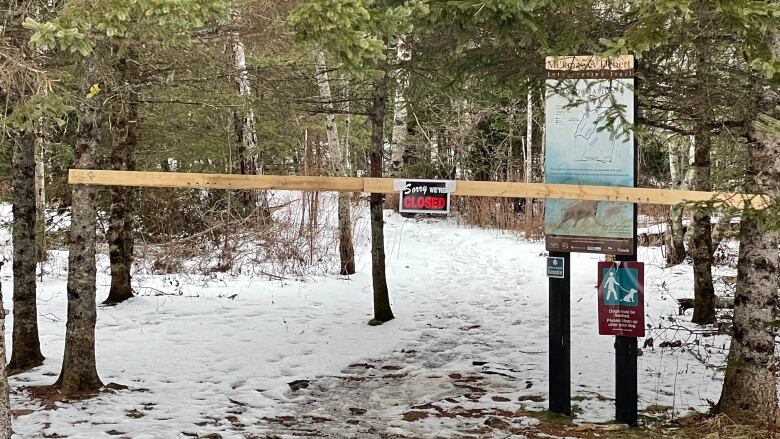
(424, 89)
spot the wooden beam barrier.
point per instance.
(385, 185)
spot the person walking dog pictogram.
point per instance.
(610, 283)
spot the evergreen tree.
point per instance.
(73, 30)
(750, 385)
(356, 33)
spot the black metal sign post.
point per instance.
(626, 394)
(560, 338)
(626, 391)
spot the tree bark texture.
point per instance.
(750, 387)
(529, 148)
(125, 134)
(720, 230)
(338, 166)
(243, 117)
(5, 403)
(40, 196)
(345, 146)
(400, 109)
(701, 235)
(675, 236)
(79, 369)
(382, 310)
(26, 352)
(675, 231)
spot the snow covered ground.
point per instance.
(215, 355)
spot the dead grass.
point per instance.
(5, 189)
(500, 214)
(653, 210)
(49, 396)
(722, 427)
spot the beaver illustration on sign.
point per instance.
(580, 211)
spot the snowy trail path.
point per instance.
(470, 337)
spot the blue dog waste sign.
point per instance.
(555, 267)
(621, 298)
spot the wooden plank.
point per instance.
(385, 185)
(600, 193)
(214, 181)
(579, 192)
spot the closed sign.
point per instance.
(424, 196)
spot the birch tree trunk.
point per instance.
(5, 403)
(79, 369)
(125, 133)
(529, 148)
(345, 146)
(244, 117)
(400, 109)
(542, 127)
(40, 196)
(382, 310)
(338, 165)
(750, 387)
(40, 158)
(675, 233)
(26, 352)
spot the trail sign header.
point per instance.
(424, 196)
(621, 298)
(589, 66)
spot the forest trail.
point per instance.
(411, 394)
(214, 356)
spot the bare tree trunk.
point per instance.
(40, 196)
(701, 236)
(400, 109)
(675, 236)
(26, 352)
(542, 155)
(348, 155)
(675, 233)
(5, 403)
(720, 230)
(510, 122)
(79, 369)
(382, 310)
(750, 387)
(346, 248)
(120, 228)
(529, 148)
(243, 118)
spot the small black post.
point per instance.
(626, 393)
(560, 338)
(625, 380)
